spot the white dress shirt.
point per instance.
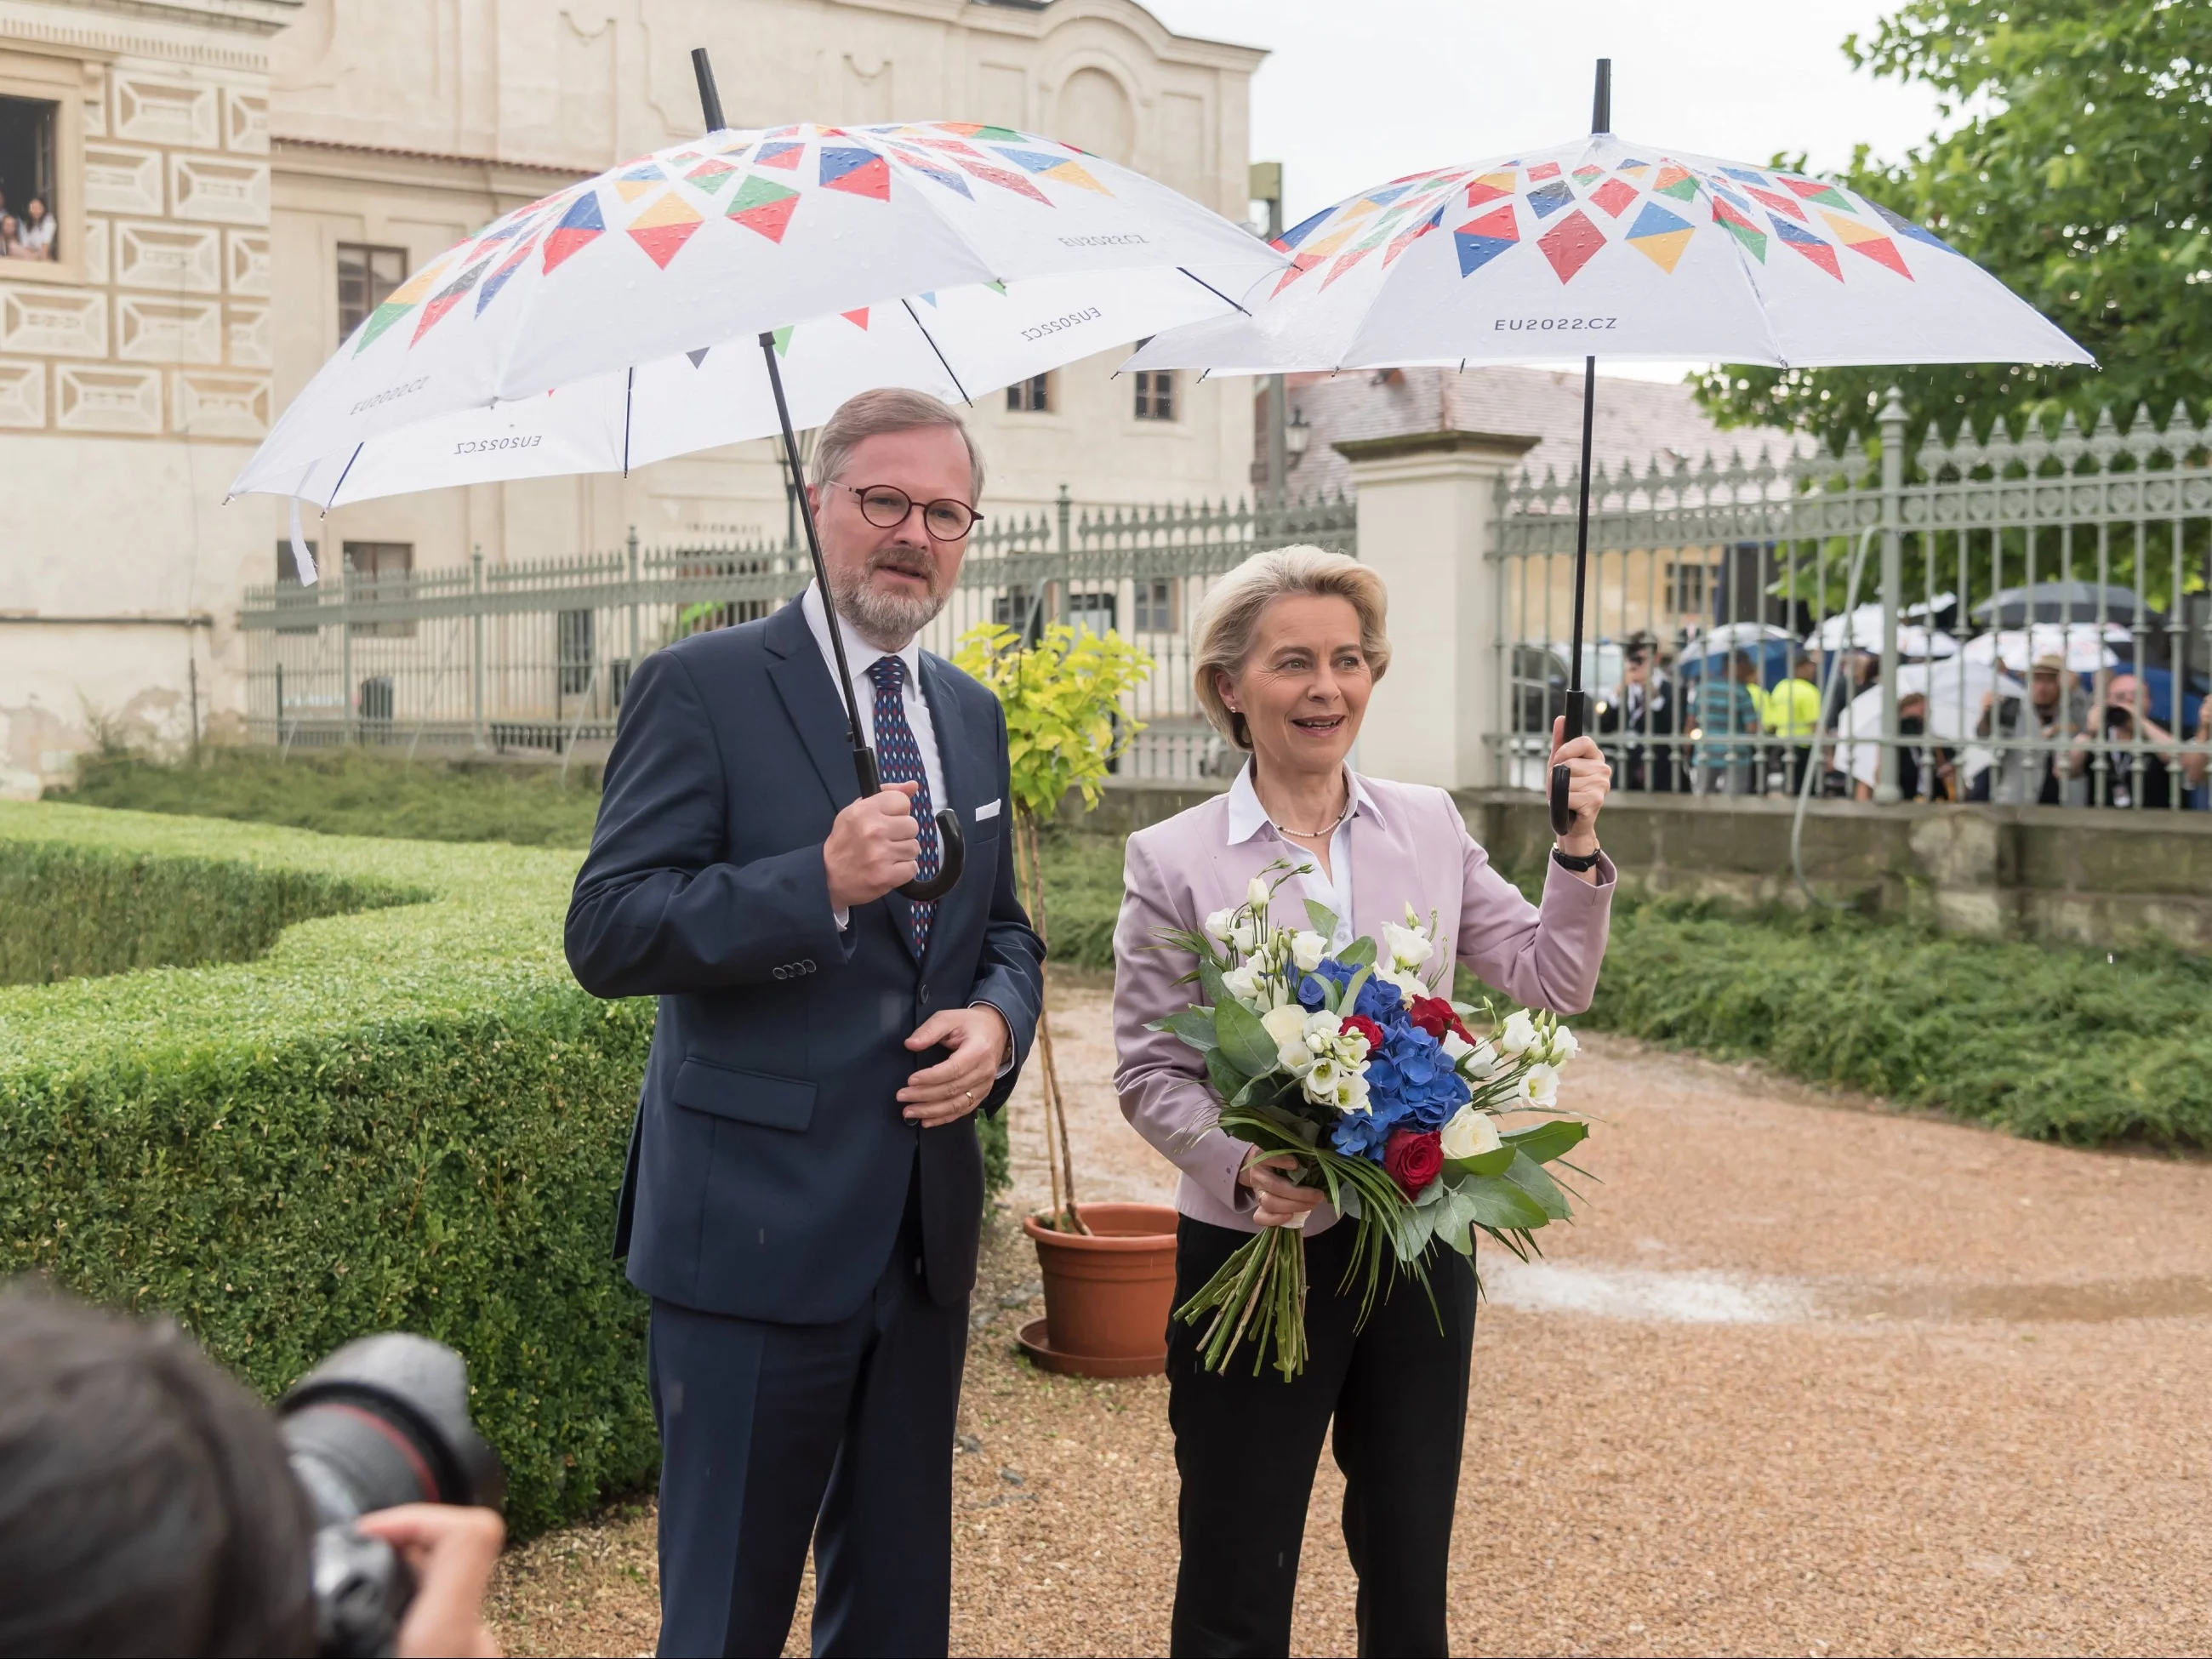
(1246, 817)
(860, 657)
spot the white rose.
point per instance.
(1470, 1134)
(1565, 1045)
(1257, 896)
(1286, 1023)
(1409, 947)
(1520, 1033)
(1307, 949)
(1220, 925)
(1540, 1085)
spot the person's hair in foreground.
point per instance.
(146, 1505)
(1222, 632)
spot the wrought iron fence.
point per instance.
(533, 658)
(2020, 620)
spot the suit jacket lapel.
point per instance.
(809, 690)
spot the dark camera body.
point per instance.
(382, 1422)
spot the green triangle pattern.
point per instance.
(758, 192)
(380, 319)
(783, 342)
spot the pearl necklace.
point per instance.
(1317, 834)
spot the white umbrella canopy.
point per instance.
(1862, 630)
(949, 255)
(1953, 689)
(2084, 646)
(1613, 247)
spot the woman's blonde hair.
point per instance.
(1221, 633)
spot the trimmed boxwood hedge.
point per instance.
(402, 1117)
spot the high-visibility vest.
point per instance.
(1791, 709)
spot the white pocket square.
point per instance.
(987, 810)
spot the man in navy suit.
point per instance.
(805, 1190)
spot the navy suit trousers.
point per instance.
(774, 1434)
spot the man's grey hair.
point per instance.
(888, 409)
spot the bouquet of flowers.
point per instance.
(1384, 1095)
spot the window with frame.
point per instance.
(378, 571)
(29, 215)
(1030, 397)
(1688, 587)
(1154, 610)
(1156, 394)
(366, 276)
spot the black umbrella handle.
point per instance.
(1577, 717)
(952, 848)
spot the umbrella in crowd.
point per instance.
(2084, 646)
(1861, 629)
(1953, 691)
(2065, 602)
(651, 311)
(1613, 248)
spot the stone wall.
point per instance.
(2060, 874)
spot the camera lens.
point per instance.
(383, 1421)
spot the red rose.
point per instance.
(1434, 1016)
(1366, 1028)
(1414, 1160)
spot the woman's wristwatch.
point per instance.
(1579, 863)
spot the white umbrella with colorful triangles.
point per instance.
(614, 323)
(1612, 247)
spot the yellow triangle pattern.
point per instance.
(1664, 250)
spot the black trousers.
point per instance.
(1246, 1446)
(772, 1435)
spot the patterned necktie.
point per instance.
(899, 758)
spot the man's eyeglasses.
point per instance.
(885, 507)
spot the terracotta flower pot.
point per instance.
(1107, 1296)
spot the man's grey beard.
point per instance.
(887, 620)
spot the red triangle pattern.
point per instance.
(1571, 244)
(770, 219)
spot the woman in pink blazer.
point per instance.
(1288, 650)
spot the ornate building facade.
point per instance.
(234, 183)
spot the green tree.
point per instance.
(2080, 176)
(1062, 698)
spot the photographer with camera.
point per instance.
(149, 1505)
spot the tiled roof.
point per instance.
(1637, 421)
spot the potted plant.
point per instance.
(1108, 1269)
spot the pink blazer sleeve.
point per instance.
(1543, 956)
(1159, 1078)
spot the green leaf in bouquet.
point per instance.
(1194, 1025)
(1543, 1142)
(1321, 918)
(1494, 1202)
(1417, 1225)
(1352, 987)
(1455, 1219)
(1228, 1082)
(1528, 1175)
(1244, 1039)
(1360, 953)
(1497, 1161)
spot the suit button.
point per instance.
(925, 996)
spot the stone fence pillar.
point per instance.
(1428, 512)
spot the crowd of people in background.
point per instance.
(29, 234)
(1712, 725)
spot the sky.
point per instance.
(1355, 94)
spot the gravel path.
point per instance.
(1805, 1378)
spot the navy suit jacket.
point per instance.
(769, 1165)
